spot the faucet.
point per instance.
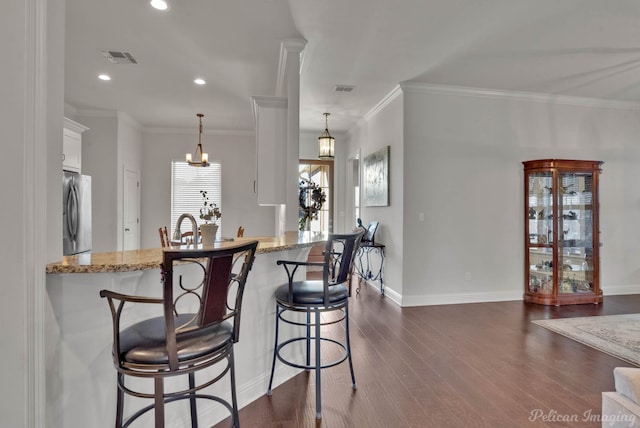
(177, 234)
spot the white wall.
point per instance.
(237, 154)
(463, 169)
(100, 161)
(380, 128)
(309, 144)
(129, 154)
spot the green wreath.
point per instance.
(309, 193)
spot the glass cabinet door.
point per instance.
(575, 230)
(540, 219)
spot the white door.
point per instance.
(131, 222)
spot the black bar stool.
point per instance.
(182, 342)
(318, 297)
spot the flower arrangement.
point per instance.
(309, 193)
(209, 211)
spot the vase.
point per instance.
(208, 232)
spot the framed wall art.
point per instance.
(376, 178)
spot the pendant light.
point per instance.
(326, 141)
(202, 159)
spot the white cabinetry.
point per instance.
(270, 114)
(72, 145)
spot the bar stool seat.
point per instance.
(311, 293)
(145, 342)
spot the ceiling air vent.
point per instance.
(344, 88)
(119, 57)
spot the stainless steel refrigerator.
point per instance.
(76, 213)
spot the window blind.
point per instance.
(186, 183)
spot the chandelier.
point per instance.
(201, 159)
(326, 141)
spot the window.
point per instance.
(186, 183)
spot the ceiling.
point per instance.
(585, 48)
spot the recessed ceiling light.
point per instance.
(104, 77)
(159, 4)
(199, 81)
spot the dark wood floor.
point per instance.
(471, 365)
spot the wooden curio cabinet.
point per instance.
(561, 232)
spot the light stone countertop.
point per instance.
(133, 260)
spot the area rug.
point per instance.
(616, 335)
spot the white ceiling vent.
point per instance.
(344, 88)
(119, 57)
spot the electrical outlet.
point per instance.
(468, 276)
(421, 217)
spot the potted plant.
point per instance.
(210, 213)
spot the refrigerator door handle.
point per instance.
(72, 212)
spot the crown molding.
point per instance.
(127, 118)
(428, 88)
(110, 114)
(105, 113)
(119, 115)
(70, 110)
(395, 92)
(315, 133)
(74, 126)
(288, 46)
(268, 101)
(100, 113)
(190, 131)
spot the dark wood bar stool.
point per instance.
(316, 298)
(164, 237)
(201, 322)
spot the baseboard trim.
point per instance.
(458, 298)
(389, 293)
(494, 296)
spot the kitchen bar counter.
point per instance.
(135, 260)
(80, 378)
